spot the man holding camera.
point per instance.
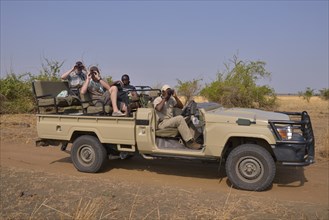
(101, 90)
(164, 106)
(76, 77)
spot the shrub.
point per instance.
(188, 88)
(16, 90)
(50, 70)
(16, 94)
(307, 94)
(236, 87)
(324, 94)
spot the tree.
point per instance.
(188, 88)
(50, 70)
(324, 93)
(236, 87)
(306, 94)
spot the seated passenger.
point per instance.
(101, 90)
(76, 77)
(164, 106)
(127, 92)
(126, 85)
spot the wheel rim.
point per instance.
(86, 155)
(249, 169)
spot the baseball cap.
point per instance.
(94, 69)
(165, 87)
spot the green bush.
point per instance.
(324, 94)
(307, 94)
(188, 88)
(16, 94)
(236, 87)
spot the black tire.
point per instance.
(88, 154)
(250, 167)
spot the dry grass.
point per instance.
(235, 207)
(100, 199)
(85, 210)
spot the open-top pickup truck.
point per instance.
(250, 142)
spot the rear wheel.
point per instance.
(88, 154)
(250, 167)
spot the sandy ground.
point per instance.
(42, 183)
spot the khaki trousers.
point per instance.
(179, 123)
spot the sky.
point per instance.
(160, 42)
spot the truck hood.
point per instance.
(231, 115)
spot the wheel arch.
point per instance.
(236, 141)
(77, 134)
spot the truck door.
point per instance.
(145, 130)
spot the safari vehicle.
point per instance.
(250, 142)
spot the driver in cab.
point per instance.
(164, 107)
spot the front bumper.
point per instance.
(299, 151)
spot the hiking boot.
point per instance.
(118, 114)
(193, 145)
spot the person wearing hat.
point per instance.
(76, 77)
(100, 89)
(164, 106)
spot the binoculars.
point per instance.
(170, 92)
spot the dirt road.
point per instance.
(42, 182)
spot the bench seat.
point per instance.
(46, 95)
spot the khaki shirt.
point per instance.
(167, 110)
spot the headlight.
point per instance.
(285, 132)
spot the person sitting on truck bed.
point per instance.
(76, 77)
(127, 92)
(100, 89)
(164, 106)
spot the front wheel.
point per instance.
(88, 154)
(250, 167)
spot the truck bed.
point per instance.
(113, 130)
